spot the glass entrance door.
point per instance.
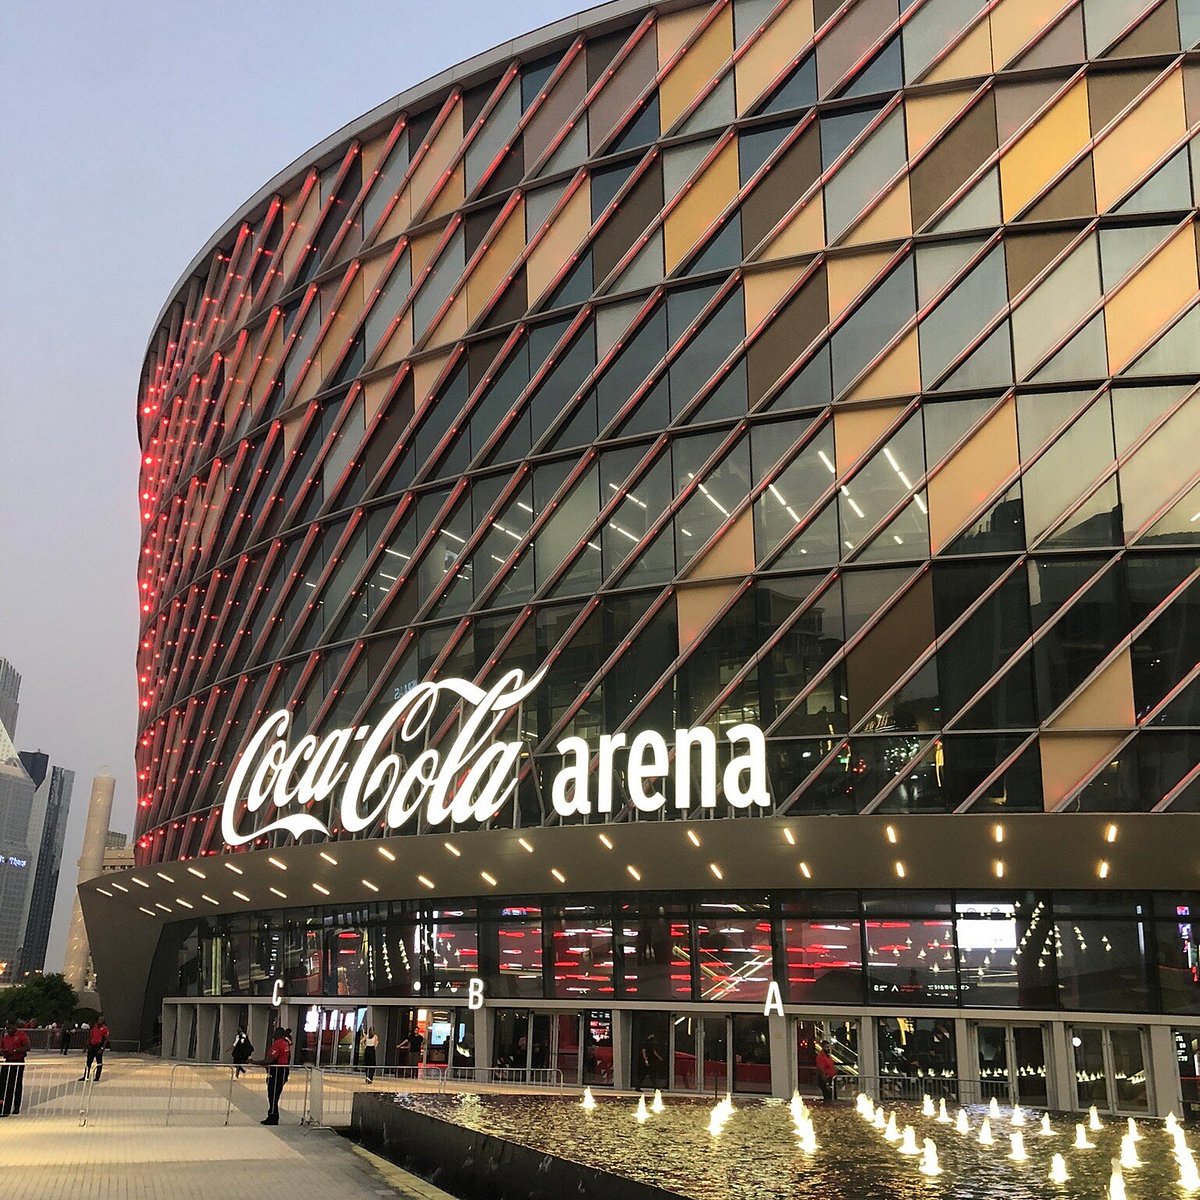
(1012, 1064)
(1110, 1068)
(842, 1037)
(330, 1036)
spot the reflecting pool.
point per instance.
(763, 1151)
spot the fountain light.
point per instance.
(1189, 1177)
(943, 1117)
(1116, 1183)
(1134, 1132)
(1018, 1117)
(994, 1108)
(806, 1136)
(1129, 1154)
(890, 1132)
(658, 1104)
(1044, 1129)
(1081, 1139)
(866, 1107)
(961, 1124)
(929, 1159)
(908, 1144)
(927, 1109)
(589, 1101)
(798, 1109)
(1017, 1143)
(878, 1120)
(716, 1120)
(642, 1114)
(985, 1133)
(1180, 1139)
(1058, 1169)
(1171, 1125)
(1094, 1122)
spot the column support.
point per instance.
(1163, 1072)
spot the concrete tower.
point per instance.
(91, 863)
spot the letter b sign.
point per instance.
(475, 994)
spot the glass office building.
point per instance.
(821, 370)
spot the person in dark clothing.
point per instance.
(97, 1044)
(14, 1045)
(278, 1063)
(243, 1048)
(64, 1039)
(650, 1063)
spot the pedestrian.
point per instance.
(97, 1043)
(14, 1045)
(277, 1062)
(243, 1048)
(370, 1054)
(64, 1038)
(826, 1070)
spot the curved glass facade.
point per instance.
(822, 367)
(1122, 952)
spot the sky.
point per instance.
(128, 134)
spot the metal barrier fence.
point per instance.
(914, 1087)
(50, 1039)
(44, 1089)
(539, 1077)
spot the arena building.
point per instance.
(679, 538)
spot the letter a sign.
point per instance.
(774, 1002)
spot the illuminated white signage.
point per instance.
(277, 993)
(473, 777)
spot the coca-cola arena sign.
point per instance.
(387, 773)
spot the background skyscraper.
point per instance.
(47, 828)
(16, 806)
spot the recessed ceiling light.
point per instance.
(605, 840)
(634, 872)
(558, 875)
(148, 911)
(454, 849)
(424, 879)
(805, 871)
(198, 874)
(139, 882)
(367, 883)
(281, 895)
(716, 870)
(693, 837)
(276, 863)
(900, 871)
(242, 896)
(323, 890)
(789, 837)
(387, 854)
(230, 867)
(524, 845)
(329, 858)
(488, 879)
(205, 896)
(166, 877)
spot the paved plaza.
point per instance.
(128, 1151)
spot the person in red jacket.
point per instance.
(277, 1062)
(96, 1045)
(14, 1045)
(826, 1070)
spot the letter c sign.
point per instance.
(277, 993)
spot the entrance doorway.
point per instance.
(842, 1037)
(1012, 1063)
(330, 1036)
(579, 1044)
(1110, 1067)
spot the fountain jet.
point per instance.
(1017, 1142)
(943, 1117)
(929, 1159)
(1044, 1129)
(927, 1109)
(1081, 1139)
(985, 1133)
(1094, 1122)
(1129, 1154)
(1058, 1169)
(1018, 1117)
(642, 1113)
(1116, 1183)
(658, 1104)
(908, 1144)
(589, 1101)
(961, 1124)
(1189, 1176)
(1134, 1132)
(890, 1132)
(994, 1108)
